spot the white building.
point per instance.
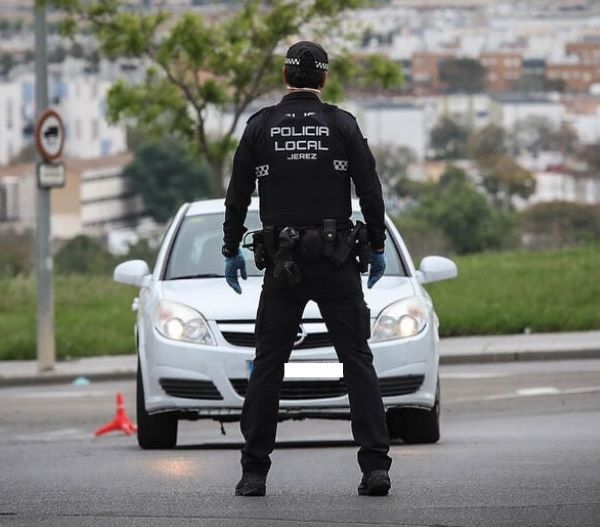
(393, 122)
(81, 101)
(553, 185)
(82, 104)
(94, 201)
(508, 109)
(11, 121)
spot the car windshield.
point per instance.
(196, 251)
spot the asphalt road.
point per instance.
(520, 446)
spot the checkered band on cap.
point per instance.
(296, 62)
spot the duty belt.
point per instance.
(280, 245)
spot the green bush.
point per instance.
(470, 224)
(165, 175)
(16, 253)
(560, 223)
(83, 255)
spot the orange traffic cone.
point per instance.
(120, 422)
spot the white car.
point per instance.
(195, 336)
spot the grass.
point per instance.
(510, 292)
(92, 313)
(495, 293)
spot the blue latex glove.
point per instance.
(232, 265)
(376, 267)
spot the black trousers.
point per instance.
(338, 293)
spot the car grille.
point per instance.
(190, 389)
(248, 340)
(322, 389)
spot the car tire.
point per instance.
(413, 425)
(154, 431)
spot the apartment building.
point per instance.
(503, 70)
(81, 101)
(11, 121)
(425, 71)
(94, 201)
(586, 52)
(577, 77)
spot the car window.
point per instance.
(196, 250)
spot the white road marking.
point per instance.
(541, 390)
(471, 375)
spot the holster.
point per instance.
(258, 247)
(286, 269)
(354, 242)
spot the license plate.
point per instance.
(314, 370)
(249, 366)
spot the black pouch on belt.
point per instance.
(311, 245)
(329, 235)
(258, 246)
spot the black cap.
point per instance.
(309, 55)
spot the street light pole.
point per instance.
(45, 297)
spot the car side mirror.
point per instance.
(132, 272)
(436, 269)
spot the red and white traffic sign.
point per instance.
(49, 135)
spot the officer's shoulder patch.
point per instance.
(256, 114)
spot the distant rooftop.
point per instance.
(523, 98)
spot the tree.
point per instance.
(489, 141)
(464, 215)
(7, 62)
(449, 139)
(591, 156)
(165, 176)
(537, 134)
(559, 223)
(462, 75)
(505, 179)
(392, 166)
(196, 65)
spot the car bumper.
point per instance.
(183, 365)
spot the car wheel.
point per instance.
(154, 431)
(414, 425)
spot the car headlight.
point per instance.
(401, 319)
(179, 322)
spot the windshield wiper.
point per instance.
(191, 276)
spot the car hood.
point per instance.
(217, 301)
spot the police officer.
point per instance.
(304, 155)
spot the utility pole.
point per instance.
(45, 296)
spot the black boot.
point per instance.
(375, 483)
(251, 485)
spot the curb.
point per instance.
(519, 356)
(64, 378)
(449, 359)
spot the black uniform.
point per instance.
(304, 154)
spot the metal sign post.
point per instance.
(49, 143)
